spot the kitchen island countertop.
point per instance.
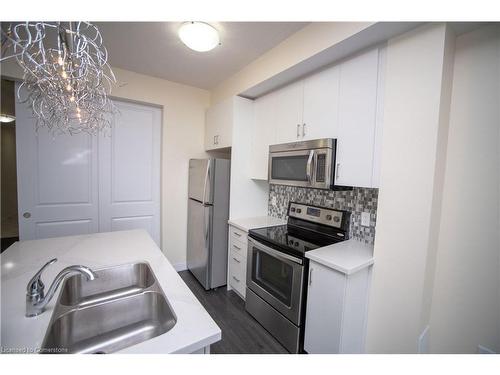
(194, 330)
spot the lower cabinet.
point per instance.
(336, 310)
(237, 261)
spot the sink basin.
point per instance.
(111, 283)
(111, 326)
(124, 306)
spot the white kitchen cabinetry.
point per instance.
(321, 92)
(336, 310)
(219, 124)
(342, 102)
(263, 135)
(357, 115)
(288, 113)
(237, 260)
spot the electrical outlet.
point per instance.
(365, 219)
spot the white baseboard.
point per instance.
(180, 266)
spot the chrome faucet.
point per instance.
(36, 300)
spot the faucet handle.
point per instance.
(35, 285)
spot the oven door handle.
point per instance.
(309, 166)
(274, 253)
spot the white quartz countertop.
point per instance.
(347, 257)
(248, 223)
(195, 329)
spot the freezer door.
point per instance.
(199, 240)
(200, 180)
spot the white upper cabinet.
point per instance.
(288, 111)
(357, 114)
(342, 102)
(219, 125)
(263, 135)
(321, 92)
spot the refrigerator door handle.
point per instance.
(207, 177)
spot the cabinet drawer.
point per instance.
(237, 273)
(238, 247)
(238, 234)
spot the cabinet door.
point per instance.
(289, 112)
(357, 108)
(321, 93)
(218, 125)
(263, 135)
(325, 300)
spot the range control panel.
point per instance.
(320, 215)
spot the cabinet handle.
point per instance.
(337, 171)
(237, 280)
(298, 130)
(237, 234)
(236, 260)
(310, 275)
(214, 140)
(236, 247)
(304, 130)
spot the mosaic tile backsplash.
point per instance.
(356, 201)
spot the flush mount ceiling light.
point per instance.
(199, 36)
(7, 118)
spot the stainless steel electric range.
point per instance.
(277, 269)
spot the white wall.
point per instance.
(466, 302)
(182, 138)
(410, 143)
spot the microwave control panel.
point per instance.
(320, 215)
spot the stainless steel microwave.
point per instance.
(307, 163)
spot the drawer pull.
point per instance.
(236, 260)
(237, 234)
(236, 247)
(237, 280)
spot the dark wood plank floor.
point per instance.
(241, 333)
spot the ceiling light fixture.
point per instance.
(7, 118)
(67, 79)
(199, 36)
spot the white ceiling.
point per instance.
(153, 48)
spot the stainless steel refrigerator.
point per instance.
(208, 212)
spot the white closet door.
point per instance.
(57, 181)
(129, 171)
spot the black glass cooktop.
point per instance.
(291, 239)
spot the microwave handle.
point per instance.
(309, 166)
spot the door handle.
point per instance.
(237, 280)
(27, 215)
(298, 130)
(304, 130)
(310, 275)
(309, 166)
(236, 260)
(337, 171)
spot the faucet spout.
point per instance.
(36, 300)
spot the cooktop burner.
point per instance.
(309, 227)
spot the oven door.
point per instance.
(277, 278)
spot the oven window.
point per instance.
(273, 275)
(289, 167)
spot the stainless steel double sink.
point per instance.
(123, 306)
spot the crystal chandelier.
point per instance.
(67, 78)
